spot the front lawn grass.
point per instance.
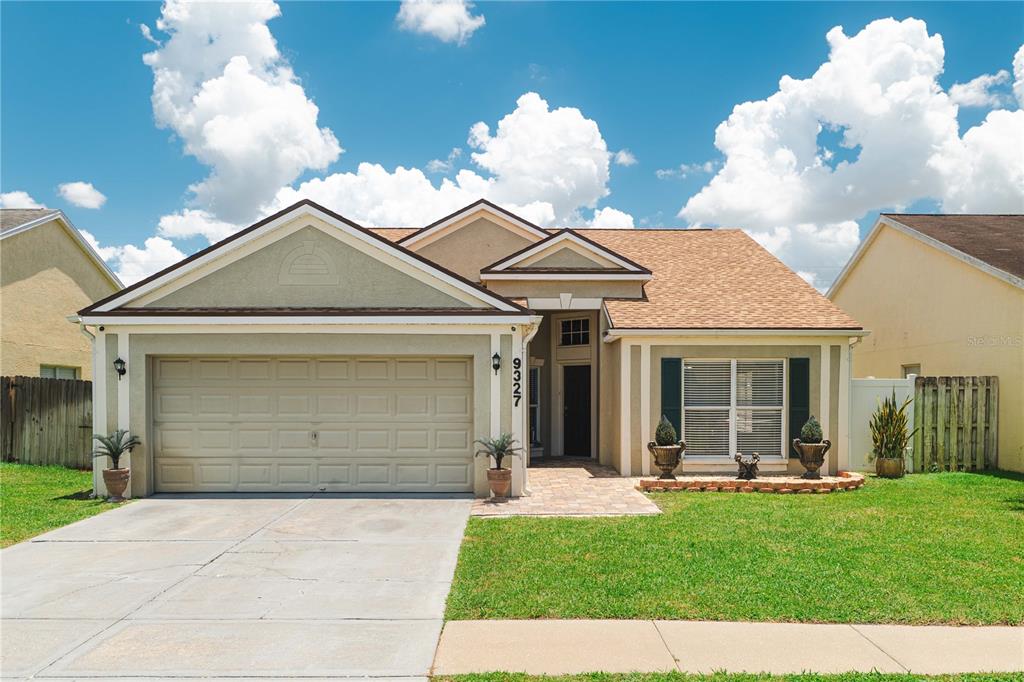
(35, 499)
(732, 677)
(929, 548)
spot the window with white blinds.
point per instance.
(733, 405)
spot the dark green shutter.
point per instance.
(799, 395)
(672, 392)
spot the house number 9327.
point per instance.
(517, 380)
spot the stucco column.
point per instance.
(843, 455)
(625, 384)
(124, 411)
(826, 396)
(645, 407)
(99, 406)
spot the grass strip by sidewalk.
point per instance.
(733, 677)
(929, 548)
(35, 499)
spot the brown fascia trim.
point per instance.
(255, 226)
(564, 271)
(292, 312)
(795, 329)
(478, 202)
(956, 215)
(641, 270)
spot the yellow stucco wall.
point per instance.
(468, 249)
(45, 275)
(276, 275)
(925, 307)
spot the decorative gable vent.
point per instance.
(308, 264)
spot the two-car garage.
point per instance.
(327, 423)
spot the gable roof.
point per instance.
(993, 243)
(11, 218)
(113, 304)
(709, 279)
(994, 239)
(715, 279)
(623, 267)
(479, 204)
(14, 221)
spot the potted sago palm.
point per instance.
(499, 478)
(115, 446)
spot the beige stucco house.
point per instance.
(308, 353)
(944, 295)
(47, 273)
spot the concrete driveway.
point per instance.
(268, 586)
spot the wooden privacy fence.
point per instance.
(957, 423)
(46, 421)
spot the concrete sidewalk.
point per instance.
(556, 647)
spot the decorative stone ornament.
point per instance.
(812, 456)
(666, 458)
(747, 467)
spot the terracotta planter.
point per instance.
(116, 481)
(666, 458)
(890, 467)
(500, 481)
(812, 456)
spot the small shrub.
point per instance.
(665, 434)
(810, 432)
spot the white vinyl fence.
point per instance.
(865, 395)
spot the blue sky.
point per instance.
(655, 78)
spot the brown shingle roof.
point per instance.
(11, 218)
(393, 233)
(994, 239)
(715, 279)
(709, 279)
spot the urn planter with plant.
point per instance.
(889, 437)
(498, 449)
(666, 449)
(812, 448)
(115, 446)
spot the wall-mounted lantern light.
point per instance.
(120, 367)
(496, 362)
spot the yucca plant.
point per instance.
(114, 446)
(889, 435)
(499, 448)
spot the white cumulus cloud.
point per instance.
(624, 157)
(1018, 76)
(609, 217)
(132, 263)
(193, 222)
(81, 194)
(879, 93)
(979, 92)
(18, 199)
(447, 164)
(544, 164)
(450, 21)
(220, 83)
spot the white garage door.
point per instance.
(307, 424)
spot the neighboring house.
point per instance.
(944, 295)
(47, 273)
(308, 353)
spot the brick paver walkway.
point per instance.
(572, 488)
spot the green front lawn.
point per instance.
(929, 548)
(732, 677)
(35, 499)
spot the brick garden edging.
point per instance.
(784, 485)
